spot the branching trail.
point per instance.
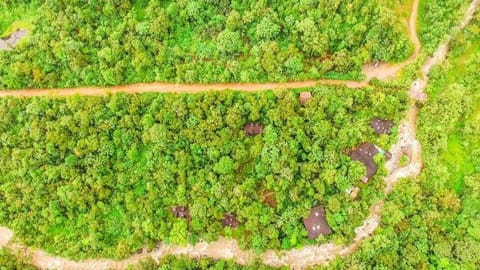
(298, 258)
(383, 71)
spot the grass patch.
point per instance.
(18, 25)
(458, 162)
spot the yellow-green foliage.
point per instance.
(99, 174)
(432, 222)
(12, 261)
(119, 42)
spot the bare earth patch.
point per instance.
(5, 236)
(12, 40)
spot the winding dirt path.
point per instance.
(382, 71)
(297, 258)
(385, 71)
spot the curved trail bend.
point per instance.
(297, 258)
(383, 71)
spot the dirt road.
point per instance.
(220, 249)
(173, 88)
(297, 258)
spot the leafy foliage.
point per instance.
(437, 19)
(98, 174)
(15, 14)
(432, 222)
(11, 261)
(173, 263)
(119, 42)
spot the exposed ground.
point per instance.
(5, 236)
(12, 40)
(224, 248)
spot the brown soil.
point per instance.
(268, 197)
(173, 88)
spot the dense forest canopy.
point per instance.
(100, 173)
(117, 42)
(437, 19)
(88, 177)
(432, 222)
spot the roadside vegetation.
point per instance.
(432, 222)
(122, 42)
(437, 18)
(99, 174)
(185, 263)
(12, 261)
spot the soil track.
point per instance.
(173, 88)
(297, 258)
(383, 71)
